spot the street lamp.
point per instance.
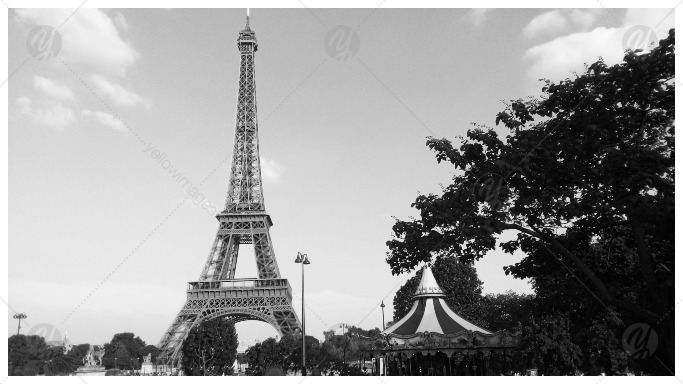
(383, 323)
(19, 316)
(303, 260)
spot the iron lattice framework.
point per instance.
(244, 220)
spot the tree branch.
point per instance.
(584, 269)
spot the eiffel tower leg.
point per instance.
(172, 340)
(265, 257)
(215, 259)
(232, 251)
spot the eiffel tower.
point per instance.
(243, 221)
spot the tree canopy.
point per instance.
(28, 355)
(585, 178)
(124, 351)
(210, 348)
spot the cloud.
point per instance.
(584, 18)
(545, 23)
(55, 115)
(557, 58)
(120, 20)
(270, 170)
(24, 104)
(476, 16)
(116, 92)
(105, 119)
(52, 89)
(91, 38)
(94, 49)
(551, 23)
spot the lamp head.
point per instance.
(299, 258)
(306, 262)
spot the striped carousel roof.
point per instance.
(430, 313)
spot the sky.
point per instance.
(103, 238)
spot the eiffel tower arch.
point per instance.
(217, 293)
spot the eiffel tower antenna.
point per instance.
(217, 293)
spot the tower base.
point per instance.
(267, 300)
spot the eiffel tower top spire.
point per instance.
(247, 37)
(245, 192)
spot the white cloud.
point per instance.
(556, 59)
(120, 20)
(553, 22)
(116, 92)
(584, 18)
(55, 115)
(24, 104)
(270, 170)
(476, 16)
(90, 38)
(105, 119)
(52, 88)
(545, 23)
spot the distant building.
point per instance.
(65, 343)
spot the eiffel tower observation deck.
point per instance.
(217, 293)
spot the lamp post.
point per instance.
(19, 316)
(303, 260)
(383, 323)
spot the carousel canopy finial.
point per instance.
(428, 286)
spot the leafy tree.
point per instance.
(76, 355)
(210, 348)
(134, 351)
(27, 355)
(59, 365)
(508, 310)
(585, 178)
(353, 330)
(122, 357)
(126, 351)
(264, 355)
(549, 342)
(460, 284)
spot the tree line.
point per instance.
(31, 355)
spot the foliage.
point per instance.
(458, 281)
(585, 178)
(509, 310)
(124, 351)
(28, 355)
(210, 348)
(336, 355)
(551, 349)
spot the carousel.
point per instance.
(432, 340)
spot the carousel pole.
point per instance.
(450, 366)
